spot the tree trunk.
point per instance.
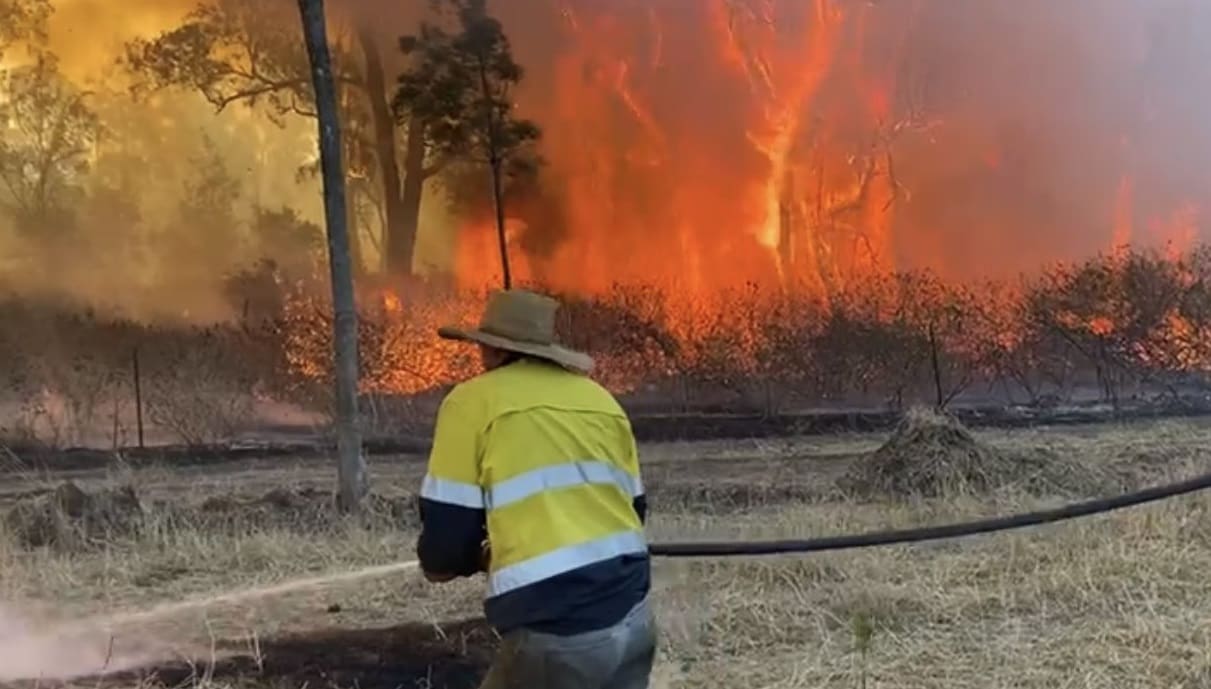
(402, 245)
(345, 96)
(401, 235)
(352, 466)
(498, 200)
(495, 165)
(935, 362)
(353, 231)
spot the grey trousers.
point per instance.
(618, 657)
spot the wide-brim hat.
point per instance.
(522, 322)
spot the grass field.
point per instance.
(1111, 601)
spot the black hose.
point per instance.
(930, 533)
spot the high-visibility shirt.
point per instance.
(542, 463)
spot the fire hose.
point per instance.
(714, 549)
(930, 533)
(729, 548)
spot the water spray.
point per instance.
(253, 593)
(87, 648)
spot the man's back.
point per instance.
(554, 457)
(534, 477)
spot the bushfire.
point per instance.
(807, 155)
(789, 191)
(811, 145)
(1122, 321)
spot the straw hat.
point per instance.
(521, 321)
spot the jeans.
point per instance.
(618, 657)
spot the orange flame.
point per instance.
(1179, 231)
(783, 162)
(1123, 221)
(650, 197)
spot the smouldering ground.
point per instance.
(1112, 601)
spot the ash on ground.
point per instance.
(931, 454)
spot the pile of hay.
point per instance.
(68, 517)
(931, 454)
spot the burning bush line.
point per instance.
(1114, 327)
(1119, 325)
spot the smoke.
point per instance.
(730, 134)
(1044, 109)
(1020, 123)
(156, 210)
(88, 34)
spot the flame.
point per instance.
(777, 170)
(1123, 222)
(787, 82)
(710, 145)
(642, 201)
(1179, 231)
(392, 303)
(805, 146)
(653, 192)
(756, 160)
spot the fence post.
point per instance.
(138, 395)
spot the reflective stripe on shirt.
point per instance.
(565, 559)
(557, 476)
(546, 461)
(452, 492)
(529, 484)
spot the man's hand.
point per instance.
(485, 556)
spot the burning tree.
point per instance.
(1131, 317)
(459, 86)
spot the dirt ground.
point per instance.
(1109, 601)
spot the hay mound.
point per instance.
(931, 454)
(69, 517)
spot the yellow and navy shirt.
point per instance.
(542, 463)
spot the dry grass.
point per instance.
(932, 454)
(1111, 601)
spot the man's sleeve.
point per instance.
(639, 499)
(452, 514)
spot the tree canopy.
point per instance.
(452, 103)
(47, 131)
(232, 51)
(460, 85)
(22, 20)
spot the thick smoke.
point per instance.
(1046, 108)
(163, 213)
(1040, 131)
(1035, 113)
(1032, 115)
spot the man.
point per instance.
(534, 478)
